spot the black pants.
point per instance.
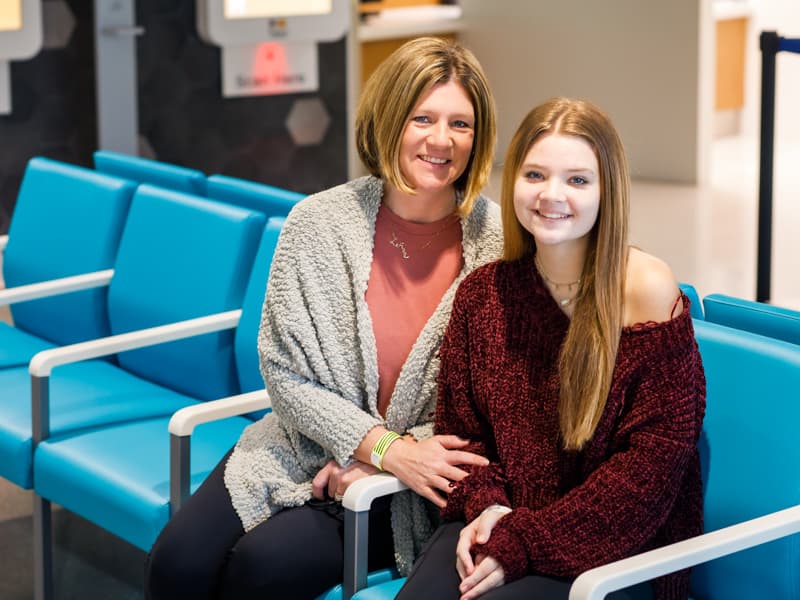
(434, 576)
(204, 553)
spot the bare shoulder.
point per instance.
(650, 289)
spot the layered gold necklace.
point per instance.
(555, 285)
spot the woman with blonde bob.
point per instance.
(359, 295)
(571, 365)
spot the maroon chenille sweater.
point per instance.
(635, 485)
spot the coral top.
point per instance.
(635, 485)
(413, 265)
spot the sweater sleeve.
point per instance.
(621, 505)
(309, 336)
(458, 414)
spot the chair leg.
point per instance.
(356, 538)
(42, 549)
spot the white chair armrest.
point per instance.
(596, 583)
(43, 363)
(3, 242)
(361, 493)
(186, 419)
(55, 287)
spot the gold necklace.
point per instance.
(401, 245)
(564, 302)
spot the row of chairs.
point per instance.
(129, 301)
(751, 470)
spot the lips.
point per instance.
(549, 215)
(434, 160)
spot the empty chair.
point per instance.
(146, 170)
(67, 222)
(180, 257)
(272, 201)
(118, 475)
(758, 317)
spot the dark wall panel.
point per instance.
(183, 117)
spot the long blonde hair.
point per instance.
(588, 355)
(392, 92)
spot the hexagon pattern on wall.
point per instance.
(58, 23)
(308, 122)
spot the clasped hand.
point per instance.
(430, 466)
(335, 479)
(480, 575)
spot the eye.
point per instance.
(533, 176)
(578, 180)
(458, 123)
(421, 119)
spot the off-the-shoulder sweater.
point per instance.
(634, 486)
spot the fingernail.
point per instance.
(452, 484)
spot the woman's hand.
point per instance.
(335, 479)
(485, 572)
(429, 466)
(488, 574)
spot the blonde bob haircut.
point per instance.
(394, 89)
(588, 355)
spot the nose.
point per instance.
(552, 190)
(440, 135)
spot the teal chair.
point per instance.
(751, 469)
(58, 256)
(129, 477)
(180, 258)
(757, 317)
(146, 170)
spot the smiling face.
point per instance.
(557, 190)
(437, 140)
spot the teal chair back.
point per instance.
(67, 221)
(146, 170)
(272, 201)
(695, 306)
(157, 281)
(246, 337)
(751, 459)
(757, 317)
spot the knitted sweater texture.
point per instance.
(319, 360)
(634, 486)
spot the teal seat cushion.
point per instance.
(383, 591)
(118, 477)
(18, 347)
(373, 579)
(85, 394)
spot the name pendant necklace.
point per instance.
(401, 245)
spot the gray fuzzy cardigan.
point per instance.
(320, 365)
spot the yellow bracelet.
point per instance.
(380, 448)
